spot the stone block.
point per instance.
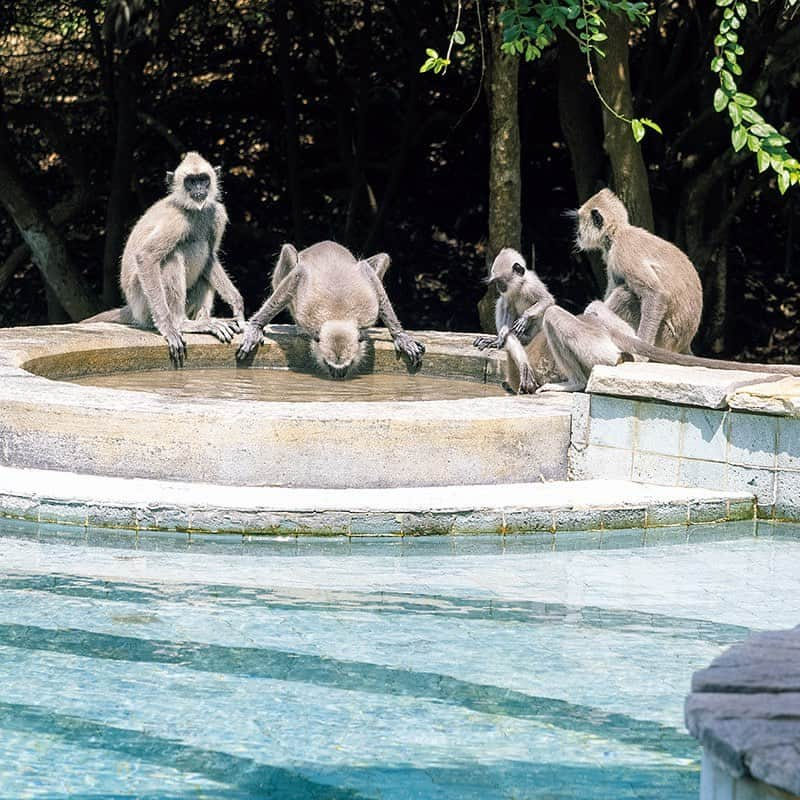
(597, 461)
(787, 497)
(753, 440)
(705, 434)
(652, 468)
(67, 512)
(760, 482)
(788, 443)
(694, 386)
(663, 514)
(702, 474)
(581, 405)
(528, 521)
(477, 522)
(578, 519)
(701, 512)
(619, 518)
(612, 422)
(659, 428)
(779, 397)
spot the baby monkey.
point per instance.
(518, 315)
(333, 297)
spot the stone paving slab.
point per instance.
(71, 498)
(693, 386)
(780, 398)
(745, 708)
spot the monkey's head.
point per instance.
(194, 183)
(599, 219)
(339, 347)
(508, 270)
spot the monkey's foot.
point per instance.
(253, 337)
(411, 348)
(488, 342)
(177, 347)
(561, 387)
(527, 383)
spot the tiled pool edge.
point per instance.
(91, 501)
(667, 437)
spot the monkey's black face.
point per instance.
(197, 187)
(501, 285)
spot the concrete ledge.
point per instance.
(745, 711)
(781, 398)
(68, 498)
(693, 386)
(49, 424)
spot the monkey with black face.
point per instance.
(651, 283)
(522, 300)
(170, 265)
(333, 297)
(599, 336)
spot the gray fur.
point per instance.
(522, 301)
(333, 297)
(651, 283)
(170, 265)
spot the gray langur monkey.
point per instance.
(651, 283)
(599, 336)
(333, 297)
(523, 298)
(170, 265)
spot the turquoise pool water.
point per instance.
(157, 666)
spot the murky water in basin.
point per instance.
(275, 385)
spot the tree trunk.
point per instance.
(118, 208)
(282, 9)
(45, 242)
(505, 227)
(627, 163)
(583, 133)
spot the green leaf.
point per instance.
(717, 64)
(762, 129)
(728, 83)
(427, 66)
(720, 41)
(741, 10)
(720, 100)
(431, 53)
(650, 124)
(738, 138)
(748, 115)
(762, 159)
(458, 37)
(776, 140)
(753, 144)
(783, 181)
(744, 100)
(638, 129)
(735, 113)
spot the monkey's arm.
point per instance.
(148, 271)
(531, 314)
(643, 281)
(224, 287)
(276, 302)
(516, 352)
(413, 349)
(502, 324)
(380, 262)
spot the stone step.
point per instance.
(70, 498)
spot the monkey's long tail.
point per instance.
(122, 315)
(637, 346)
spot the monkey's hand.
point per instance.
(411, 348)
(223, 329)
(253, 337)
(488, 342)
(520, 326)
(177, 347)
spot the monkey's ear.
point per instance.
(518, 269)
(170, 177)
(597, 218)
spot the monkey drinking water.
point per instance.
(333, 297)
(170, 265)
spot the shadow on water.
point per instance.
(247, 777)
(356, 676)
(433, 605)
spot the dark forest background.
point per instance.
(325, 128)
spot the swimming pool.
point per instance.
(163, 666)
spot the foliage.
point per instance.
(749, 127)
